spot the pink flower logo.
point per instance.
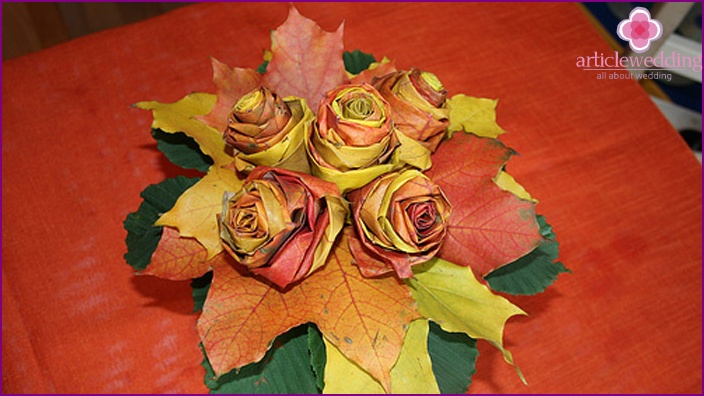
(639, 30)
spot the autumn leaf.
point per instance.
(474, 115)
(488, 227)
(180, 117)
(230, 84)
(376, 69)
(357, 61)
(451, 296)
(307, 61)
(366, 319)
(285, 369)
(506, 182)
(195, 211)
(177, 258)
(412, 373)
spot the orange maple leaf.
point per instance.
(366, 319)
(489, 227)
(231, 84)
(178, 258)
(307, 61)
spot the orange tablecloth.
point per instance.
(619, 186)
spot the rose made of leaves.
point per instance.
(269, 130)
(282, 224)
(401, 220)
(355, 140)
(257, 121)
(417, 99)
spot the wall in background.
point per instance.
(29, 27)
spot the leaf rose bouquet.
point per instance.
(344, 238)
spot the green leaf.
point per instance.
(142, 235)
(261, 69)
(284, 369)
(453, 356)
(357, 61)
(532, 273)
(181, 150)
(200, 288)
(316, 346)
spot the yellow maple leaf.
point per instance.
(195, 211)
(473, 115)
(451, 296)
(412, 373)
(506, 182)
(180, 117)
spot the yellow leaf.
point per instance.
(412, 374)
(344, 376)
(473, 115)
(506, 182)
(451, 296)
(180, 117)
(194, 213)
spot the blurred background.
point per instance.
(29, 27)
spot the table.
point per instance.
(620, 188)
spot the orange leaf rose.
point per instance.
(282, 224)
(401, 221)
(417, 100)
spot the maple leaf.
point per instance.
(366, 319)
(181, 117)
(451, 296)
(195, 211)
(306, 61)
(488, 227)
(231, 84)
(177, 258)
(474, 115)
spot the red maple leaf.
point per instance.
(488, 227)
(307, 61)
(365, 318)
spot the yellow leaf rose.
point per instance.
(269, 131)
(355, 140)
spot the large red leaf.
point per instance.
(177, 258)
(488, 227)
(307, 61)
(365, 318)
(230, 84)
